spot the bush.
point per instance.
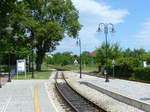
(141, 73)
(124, 67)
(4, 68)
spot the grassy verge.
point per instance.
(37, 75)
(90, 69)
(67, 67)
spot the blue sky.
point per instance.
(131, 19)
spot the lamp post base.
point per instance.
(9, 79)
(107, 79)
(80, 76)
(106, 76)
(0, 83)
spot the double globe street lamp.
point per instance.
(106, 28)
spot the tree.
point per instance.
(114, 51)
(45, 21)
(62, 59)
(52, 21)
(13, 12)
(137, 53)
(127, 53)
(87, 58)
(6, 7)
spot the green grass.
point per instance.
(75, 68)
(37, 75)
(90, 68)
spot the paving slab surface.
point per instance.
(19, 96)
(135, 90)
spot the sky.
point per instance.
(131, 19)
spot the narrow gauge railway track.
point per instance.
(77, 102)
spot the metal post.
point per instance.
(28, 61)
(106, 67)
(9, 77)
(113, 62)
(32, 60)
(80, 59)
(113, 70)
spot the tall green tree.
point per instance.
(114, 51)
(54, 20)
(14, 13)
(87, 58)
(6, 7)
(137, 53)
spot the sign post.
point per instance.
(21, 66)
(75, 63)
(113, 63)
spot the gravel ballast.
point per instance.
(105, 102)
(54, 98)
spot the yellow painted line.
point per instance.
(37, 107)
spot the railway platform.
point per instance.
(134, 90)
(25, 96)
(133, 95)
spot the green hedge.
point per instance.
(122, 71)
(124, 67)
(141, 73)
(129, 68)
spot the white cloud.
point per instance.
(143, 36)
(91, 14)
(104, 12)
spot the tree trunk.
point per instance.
(39, 60)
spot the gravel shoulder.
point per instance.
(104, 101)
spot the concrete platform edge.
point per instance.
(127, 100)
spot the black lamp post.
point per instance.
(32, 51)
(79, 43)
(32, 57)
(9, 29)
(105, 27)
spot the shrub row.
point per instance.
(130, 68)
(124, 67)
(141, 73)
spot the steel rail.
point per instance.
(77, 102)
(62, 94)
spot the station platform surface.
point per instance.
(136, 90)
(25, 96)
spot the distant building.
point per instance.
(93, 53)
(71, 54)
(49, 55)
(146, 64)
